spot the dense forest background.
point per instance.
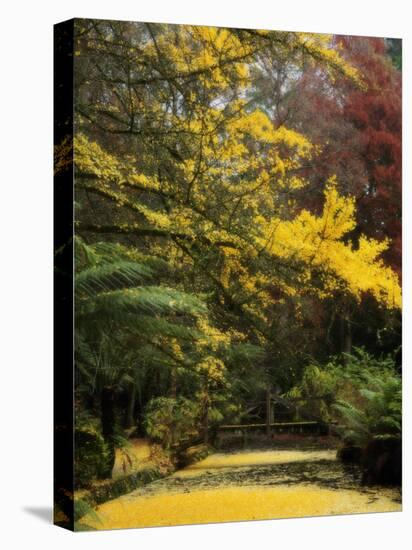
(238, 231)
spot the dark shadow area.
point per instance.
(45, 513)
(330, 474)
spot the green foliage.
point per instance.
(169, 420)
(81, 508)
(91, 455)
(121, 325)
(379, 413)
(206, 267)
(155, 325)
(245, 354)
(360, 361)
(110, 275)
(316, 392)
(359, 390)
(107, 285)
(395, 51)
(141, 300)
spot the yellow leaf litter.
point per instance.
(233, 503)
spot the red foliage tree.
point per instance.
(360, 131)
(377, 116)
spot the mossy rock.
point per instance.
(350, 454)
(193, 454)
(92, 456)
(114, 488)
(382, 461)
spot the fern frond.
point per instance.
(352, 416)
(155, 325)
(141, 300)
(110, 276)
(245, 353)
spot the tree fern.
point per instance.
(107, 276)
(153, 325)
(127, 327)
(381, 412)
(120, 304)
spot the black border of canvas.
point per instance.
(63, 279)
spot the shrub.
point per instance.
(169, 420)
(380, 413)
(92, 456)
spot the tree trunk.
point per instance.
(173, 383)
(206, 427)
(346, 334)
(205, 419)
(108, 419)
(131, 402)
(268, 410)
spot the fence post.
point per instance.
(268, 410)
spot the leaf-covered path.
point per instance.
(247, 485)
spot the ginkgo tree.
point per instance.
(176, 159)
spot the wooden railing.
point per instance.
(309, 426)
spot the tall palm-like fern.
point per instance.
(113, 301)
(119, 312)
(110, 281)
(381, 412)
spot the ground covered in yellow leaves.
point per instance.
(249, 459)
(237, 504)
(247, 486)
(132, 458)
